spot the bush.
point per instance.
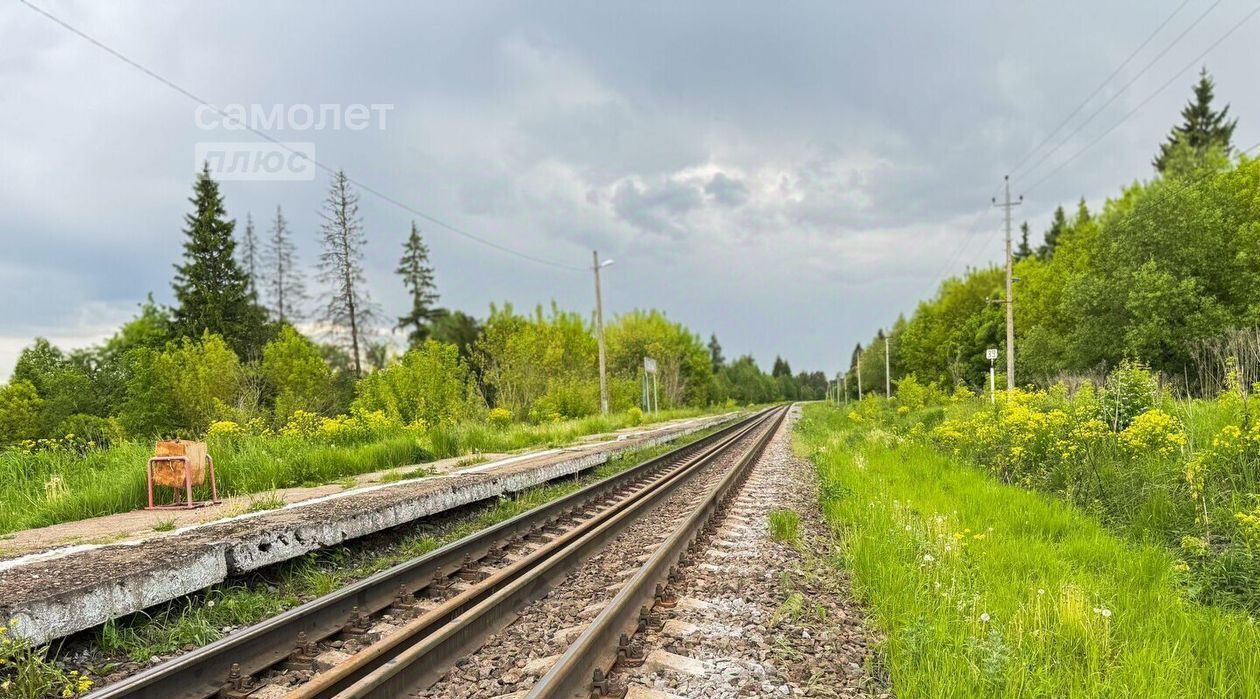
(92, 430)
(1129, 392)
(500, 417)
(430, 383)
(20, 408)
(298, 375)
(180, 390)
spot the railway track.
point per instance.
(398, 631)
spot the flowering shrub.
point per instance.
(301, 424)
(224, 429)
(1154, 432)
(502, 417)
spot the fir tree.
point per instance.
(286, 288)
(211, 290)
(348, 310)
(715, 353)
(249, 255)
(1023, 250)
(1202, 128)
(781, 368)
(417, 276)
(1058, 226)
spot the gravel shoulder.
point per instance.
(760, 615)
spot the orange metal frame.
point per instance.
(189, 503)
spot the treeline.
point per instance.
(1166, 273)
(230, 349)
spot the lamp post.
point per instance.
(599, 333)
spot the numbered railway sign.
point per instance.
(990, 354)
(649, 365)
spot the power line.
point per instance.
(1176, 76)
(1100, 87)
(1119, 92)
(366, 188)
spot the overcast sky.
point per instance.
(790, 176)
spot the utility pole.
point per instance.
(887, 371)
(859, 370)
(599, 334)
(1007, 204)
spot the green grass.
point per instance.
(62, 485)
(265, 501)
(394, 474)
(985, 589)
(164, 525)
(199, 620)
(785, 526)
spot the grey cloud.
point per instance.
(657, 208)
(726, 190)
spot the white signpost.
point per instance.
(991, 354)
(651, 399)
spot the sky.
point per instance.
(790, 176)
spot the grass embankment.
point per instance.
(62, 484)
(987, 589)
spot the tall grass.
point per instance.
(61, 485)
(988, 589)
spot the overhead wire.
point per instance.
(1067, 139)
(1176, 76)
(1100, 87)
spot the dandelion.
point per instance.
(1106, 613)
(984, 617)
(211, 604)
(909, 528)
(927, 557)
(1040, 591)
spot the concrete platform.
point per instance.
(62, 590)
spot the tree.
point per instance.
(1202, 129)
(250, 254)
(715, 353)
(1023, 251)
(348, 309)
(417, 276)
(781, 368)
(1058, 224)
(286, 289)
(211, 289)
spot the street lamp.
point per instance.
(599, 332)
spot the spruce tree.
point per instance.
(1202, 128)
(286, 288)
(715, 353)
(348, 309)
(250, 252)
(1058, 226)
(211, 290)
(417, 276)
(1023, 250)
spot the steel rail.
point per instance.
(203, 673)
(591, 655)
(419, 653)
